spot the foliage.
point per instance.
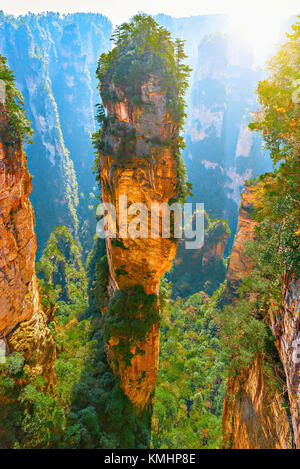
(60, 267)
(142, 49)
(97, 271)
(275, 200)
(87, 408)
(130, 316)
(206, 267)
(19, 125)
(30, 417)
(190, 389)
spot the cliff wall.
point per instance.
(285, 326)
(23, 325)
(54, 58)
(255, 412)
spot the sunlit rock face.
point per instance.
(239, 264)
(23, 325)
(146, 172)
(255, 415)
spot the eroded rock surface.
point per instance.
(23, 325)
(255, 412)
(141, 166)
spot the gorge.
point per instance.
(138, 342)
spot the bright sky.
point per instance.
(121, 10)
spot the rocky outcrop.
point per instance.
(239, 263)
(255, 415)
(23, 325)
(285, 326)
(146, 172)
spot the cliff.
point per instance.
(255, 414)
(240, 264)
(285, 326)
(23, 325)
(149, 176)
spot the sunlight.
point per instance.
(260, 29)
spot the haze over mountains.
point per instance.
(55, 58)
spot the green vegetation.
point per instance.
(207, 267)
(19, 125)
(276, 200)
(130, 316)
(87, 408)
(190, 389)
(142, 50)
(30, 417)
(60, 267)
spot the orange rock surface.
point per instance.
(239, 264)
(148, 175)
(23, 325)
(254, 416)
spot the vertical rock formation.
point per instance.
(139, 158)
(23, 325)
(239, 264)
(151, 175)
(255, 415)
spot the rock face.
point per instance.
(146, 173)
(286, 330)
(23, 325)
(255, 415)
(239, 264)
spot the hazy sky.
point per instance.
(121, 10)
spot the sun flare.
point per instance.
(259, 29)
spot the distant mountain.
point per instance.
(55, 58)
